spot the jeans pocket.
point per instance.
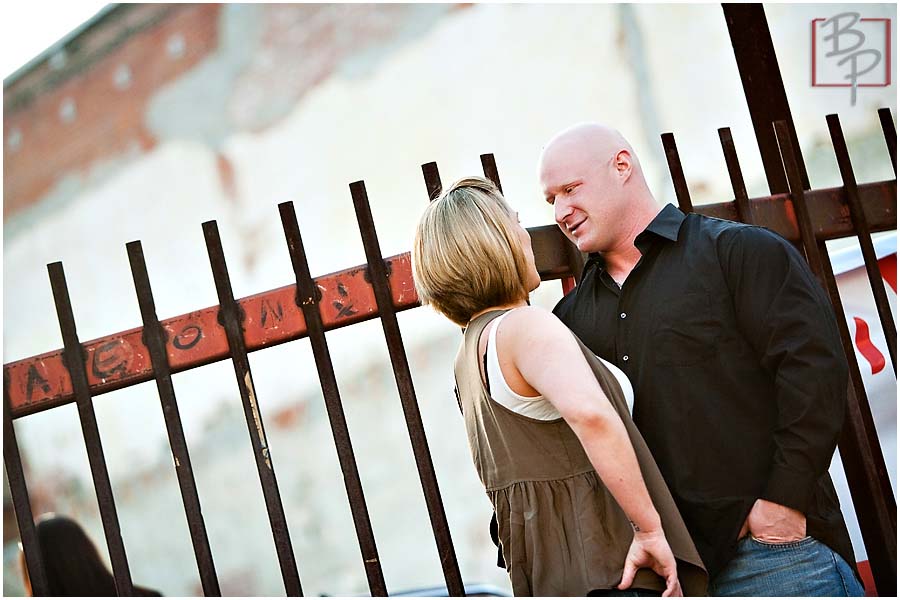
(782, 545)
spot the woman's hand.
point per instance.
(650, 549)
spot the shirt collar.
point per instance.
(666, 224)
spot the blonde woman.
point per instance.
(580, 504)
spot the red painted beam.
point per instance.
(197, 339)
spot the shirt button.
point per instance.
(622, 316)
(625, 358)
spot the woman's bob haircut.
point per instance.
(467, 255)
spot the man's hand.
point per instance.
(774, 523)
(650, 549)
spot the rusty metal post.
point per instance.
(864, 235)
(870, 485)
(741, 200)
(154, 340)
(74, 358)
(432, 180)
(763, 88)
(21, 504)
(489, 166)
(890, 135)
(308, 299)
(230, 317)
(379, 281)
(681, 187)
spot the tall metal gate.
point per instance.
(382, 287)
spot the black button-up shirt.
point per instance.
(740, 379)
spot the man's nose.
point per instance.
(561, 210)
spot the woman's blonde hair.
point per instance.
(467, 255)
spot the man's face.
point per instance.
(584, 196)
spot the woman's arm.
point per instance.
(545, 354)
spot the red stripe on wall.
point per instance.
(866, 347)
(888, 268)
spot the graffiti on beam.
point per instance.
(344, 311)
(189, 337)
(112, 358)
(35, 378)
(267, 310)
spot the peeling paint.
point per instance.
(257, 420)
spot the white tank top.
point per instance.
(536, 407)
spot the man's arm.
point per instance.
(784, 314)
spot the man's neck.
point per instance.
(619, 264)
(621, 259)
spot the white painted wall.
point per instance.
(491, 78)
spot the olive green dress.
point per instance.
(561, 531)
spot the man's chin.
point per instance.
(584, 245)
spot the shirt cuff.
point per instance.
(789, 488)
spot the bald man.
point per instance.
(732, 347)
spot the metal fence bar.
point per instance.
(870, 486)
(801, 210)
(18, 489)
(489, 166)
(890, 134)
(75, 362)
(763, 86)
(741, 199)
(432, 180)
(155, 342)
(681, 188)
(379, 280)
(308, 299)
(864, 235)
(230, 319)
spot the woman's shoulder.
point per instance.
(530, 324)
(535, 316)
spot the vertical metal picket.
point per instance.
(681, 187)
(871, 489)
(864, 235)
(741, 200)
(890, 135)
(154, 340)
(308, 300)
(21, 503)
(75, 363)
(432, 180)
(379, 280)
(230, 318)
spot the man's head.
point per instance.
(591, 176)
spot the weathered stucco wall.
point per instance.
(223, 111)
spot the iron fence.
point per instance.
(310, 307)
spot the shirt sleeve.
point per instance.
(785, 315)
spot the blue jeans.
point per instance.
(806, 567)
(630, 592)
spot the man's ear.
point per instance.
(623, 164)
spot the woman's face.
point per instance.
(534, 278)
